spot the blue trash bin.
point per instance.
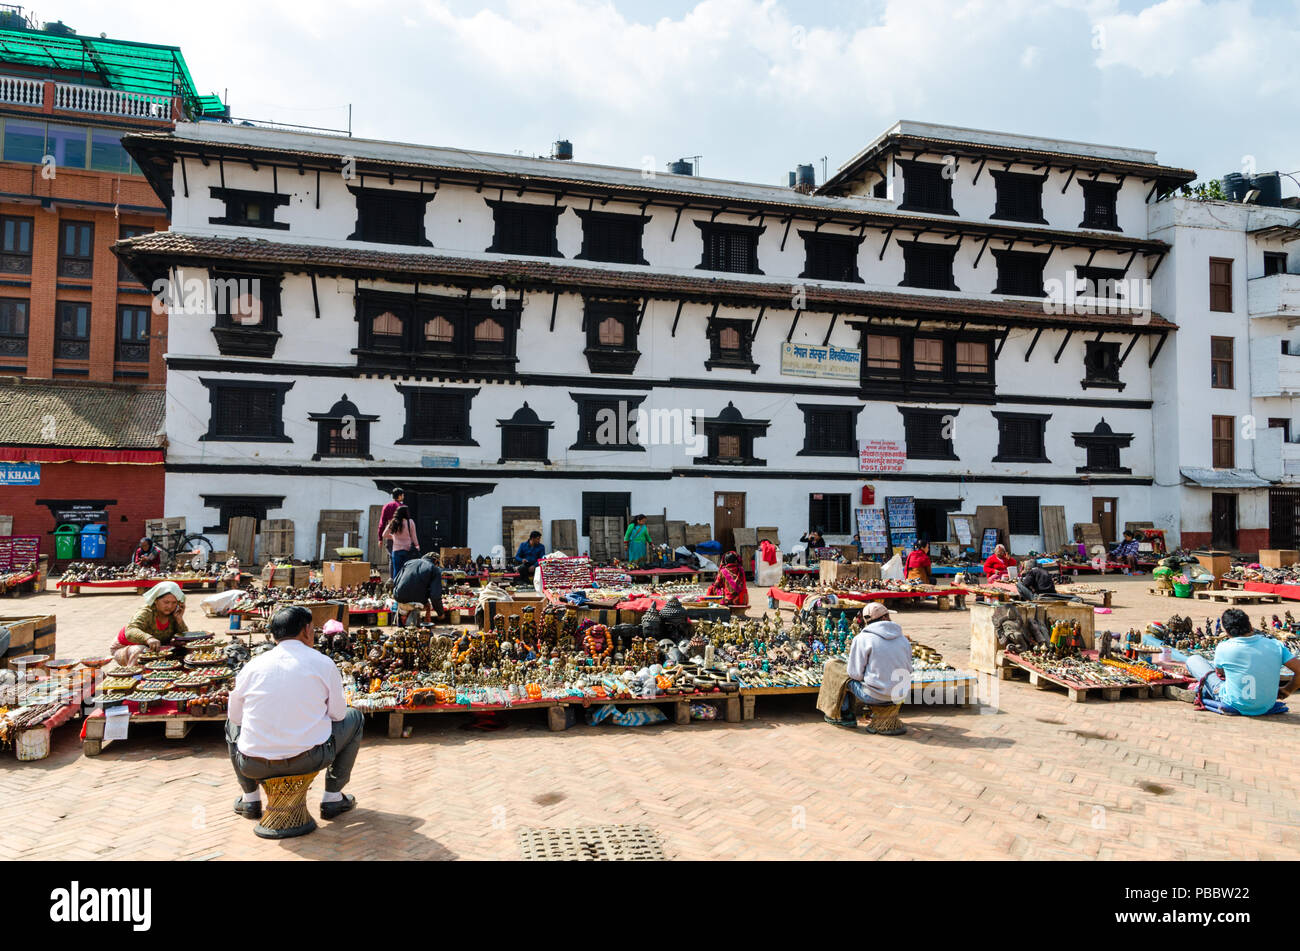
(94, 541)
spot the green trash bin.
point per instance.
(66, 541)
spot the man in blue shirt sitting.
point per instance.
(529, 554)
(1126, 552)
(1247, 667)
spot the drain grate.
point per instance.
(592, 844)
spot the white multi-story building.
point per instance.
(1227, 463)
(461, 324)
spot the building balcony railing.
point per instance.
(1273, 371)
(1275, 296)
(92, 100)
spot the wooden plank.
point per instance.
(768, 534)
(337, 525)
(746, 538)
(1229, 596)
(564, 535)
(376, 553)
(676, 534)
(277, 538)
(1089, 533)
(1055, 535)
(242, 538)
(993, 516)
(697, 533)
(520, 529)
(513, 513)
(658, 525)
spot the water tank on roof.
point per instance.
(563, 150)
(805, 175)
(681, 167)
(1235, 186)
(60, 29)
(1270, 188)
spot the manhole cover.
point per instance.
(592, 844)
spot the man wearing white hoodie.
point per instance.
(879, 664)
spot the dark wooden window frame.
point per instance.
(1275, 262)
(604, 501)
(258, 506)
(1100, 193)
(915, 423)
(1004, 453)
(133, 350)
(465, 314)
(1222, 367)
(1023, 517)
(234, 338)
(411, 433)
(843, 502)
(13, 343)
(1020, 273)
(809, 411)
(525, 423)
(919, 256)
(602, 358)
(69, 347)
(1095, 372)
(731, 423)
(222, 389)
(15, 260)
(237, 201)
(589, 404)
(1223, 449)
(816, 267)
(1225, 287)
(505, 237)
(371, 218)
(1102, 447)
(716, 229)
(1019, 197)
(124, 274)
(906, 382)
(743, 359)
(918, 179)
(77, 265)
(331, 419)
(594, 250)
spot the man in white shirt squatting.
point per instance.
(287, 716)
(879, 665)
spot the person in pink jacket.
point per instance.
(406, 544)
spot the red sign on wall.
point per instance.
(881, 455)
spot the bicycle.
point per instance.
(192, 552)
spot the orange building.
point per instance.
(69, 312)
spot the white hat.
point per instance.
(161, 588)
(875, 611)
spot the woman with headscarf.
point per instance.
(730, 582)
(918, 563)
(147, 555)
(996, 565)
(154, 625)
(636, 540)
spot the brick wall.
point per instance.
(137, 489)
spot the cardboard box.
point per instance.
(508, 609)
(345, 574)
(1278, 557)
(29, 635)
(286, 576)
(457, 557)
(1216, 563)
(322, 611)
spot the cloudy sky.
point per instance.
(754, 86)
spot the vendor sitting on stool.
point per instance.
(996, 565)
(420, 584)
(730, 582)
(918, 563)
(529, 554)
(1126, 552)
(1245, 675)
(154, 625)
(1034, 580)
(147, 555)
(879, 665)
(287, 716)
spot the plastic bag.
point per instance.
(219, 605)
(765, 576)
(892, 570)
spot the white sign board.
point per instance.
(881, 455)
(827, 363)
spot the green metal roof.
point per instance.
(116, 64)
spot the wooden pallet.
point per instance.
(176, 726)
(1079, 693)
(1162, 592)
(961, 693)
(1238, 597)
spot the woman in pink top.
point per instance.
(406, 545)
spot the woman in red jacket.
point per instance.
(918, 563)
(996, 565)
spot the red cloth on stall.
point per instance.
(769, 552)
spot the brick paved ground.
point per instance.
(1034, 777)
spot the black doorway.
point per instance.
(1283, 518)
(932, 518)
(1223, 521)
(440, 510)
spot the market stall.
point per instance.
(39, 694)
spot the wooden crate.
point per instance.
(322, 611)
(454, 557)
(564, 535)
(985, 654)
(508, 609)
(769, 534)
(658, 525)
(1089, 533)
(1216, 563)
(697, 533)
(277, 538)
(29, 634)
(511, 514)
(676, 534)
(376, 553)
(606, 538)
(834, 572)
(520, 529)
(1278, 557)
(286, 576)
(345, 574)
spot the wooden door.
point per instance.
(1223, 521)
(1104, 513)
(728, 515)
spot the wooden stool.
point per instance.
(284, 807)
(886, 720)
